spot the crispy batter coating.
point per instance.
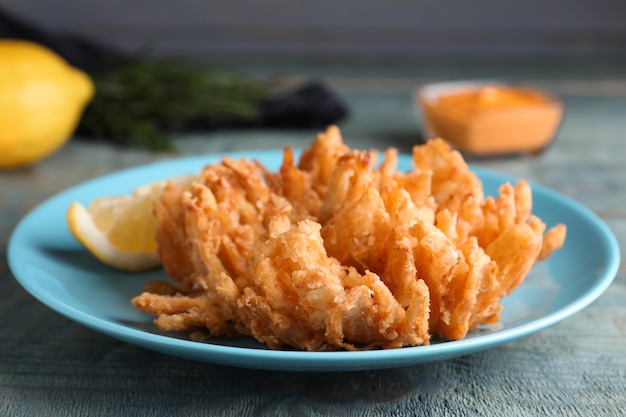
(304, 298)
(336, 252)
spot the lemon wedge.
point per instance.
(120, 230)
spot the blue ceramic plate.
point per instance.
(51, 265)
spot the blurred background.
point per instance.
(371, 56)
(331, 28)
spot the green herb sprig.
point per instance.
(144, 101)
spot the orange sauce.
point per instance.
(493, 118)
(492, 98)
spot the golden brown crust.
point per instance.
(333, 252)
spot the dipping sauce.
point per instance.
(492, 97)
(487, 119)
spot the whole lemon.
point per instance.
(42, 99)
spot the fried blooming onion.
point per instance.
(339, 252)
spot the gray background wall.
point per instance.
(326, 27)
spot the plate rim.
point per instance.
(294, 360)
